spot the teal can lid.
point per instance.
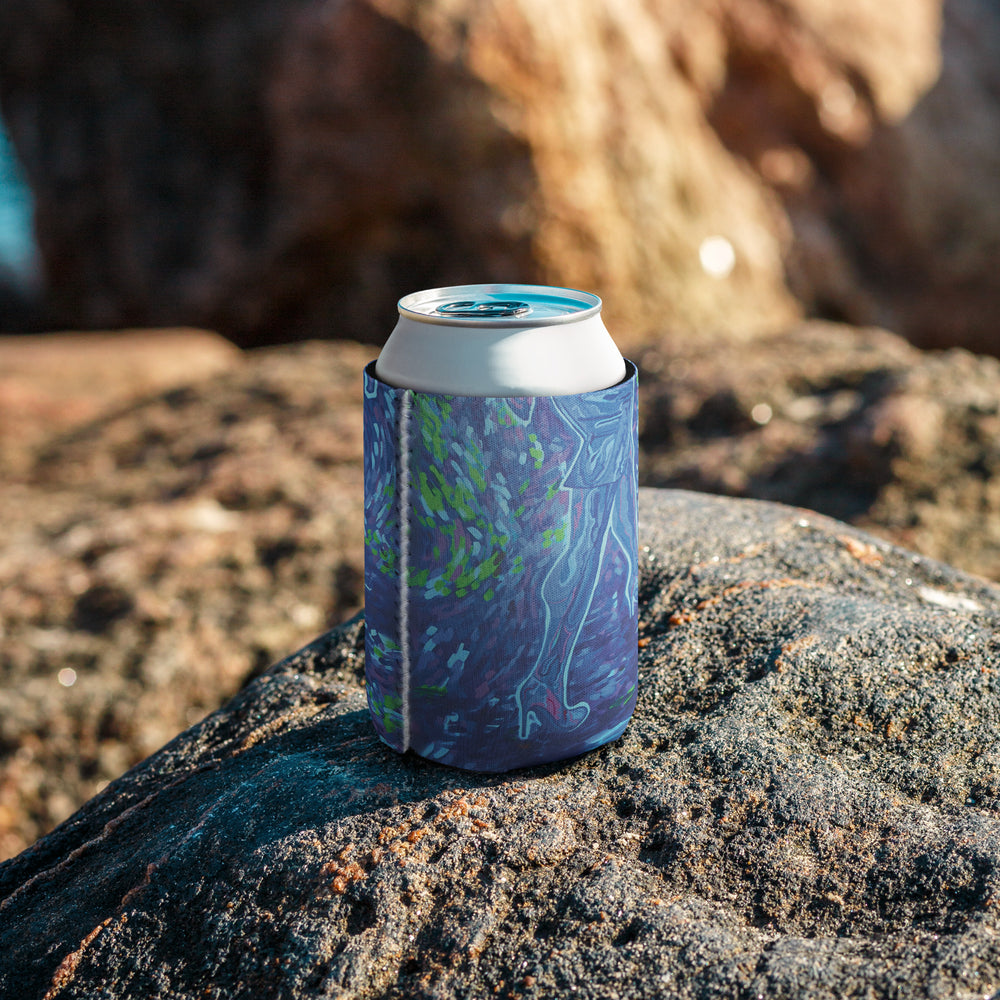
(499, 305)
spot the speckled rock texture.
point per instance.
(851, 422)
(804, 805)
(58, 381)
(173, 545)
(157, 553)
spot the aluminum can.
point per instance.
(501, 560)
(501, 340)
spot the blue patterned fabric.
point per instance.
(521, 593)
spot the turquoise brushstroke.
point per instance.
(18, 251)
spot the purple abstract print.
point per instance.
(513, 640)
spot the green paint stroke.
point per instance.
(552, 535)
(536, 451)
(431, 422)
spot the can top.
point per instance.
(499, 305)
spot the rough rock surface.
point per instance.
(853, 423)
(157, 555)
(279, 170)
(170, 548)
(804, 805)
(52, 383)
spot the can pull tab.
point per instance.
(488, 309)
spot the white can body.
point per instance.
(501, 340)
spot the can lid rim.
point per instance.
(589, 305)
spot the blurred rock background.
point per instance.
(759, 190)
(283, 170)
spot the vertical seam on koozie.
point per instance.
(404, 562)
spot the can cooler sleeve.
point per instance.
(501, 572)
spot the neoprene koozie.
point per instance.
(513, 640)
